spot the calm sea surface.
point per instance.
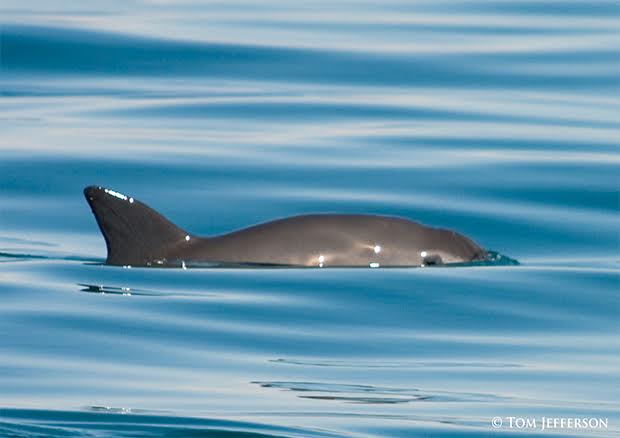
(497, 119)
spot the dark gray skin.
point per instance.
(136, 235)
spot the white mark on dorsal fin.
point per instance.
(377, 249)
(117, 194)
(423, 254)
(187, 238)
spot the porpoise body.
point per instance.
(137, 235)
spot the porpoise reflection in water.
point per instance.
(137, 235)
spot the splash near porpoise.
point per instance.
(136, 235)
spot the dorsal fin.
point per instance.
(134, 233)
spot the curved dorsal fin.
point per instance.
(134, 233)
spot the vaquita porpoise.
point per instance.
(137, 235)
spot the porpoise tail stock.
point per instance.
(137, 235)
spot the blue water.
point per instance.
(497, 119)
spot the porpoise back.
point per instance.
(137, 235)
